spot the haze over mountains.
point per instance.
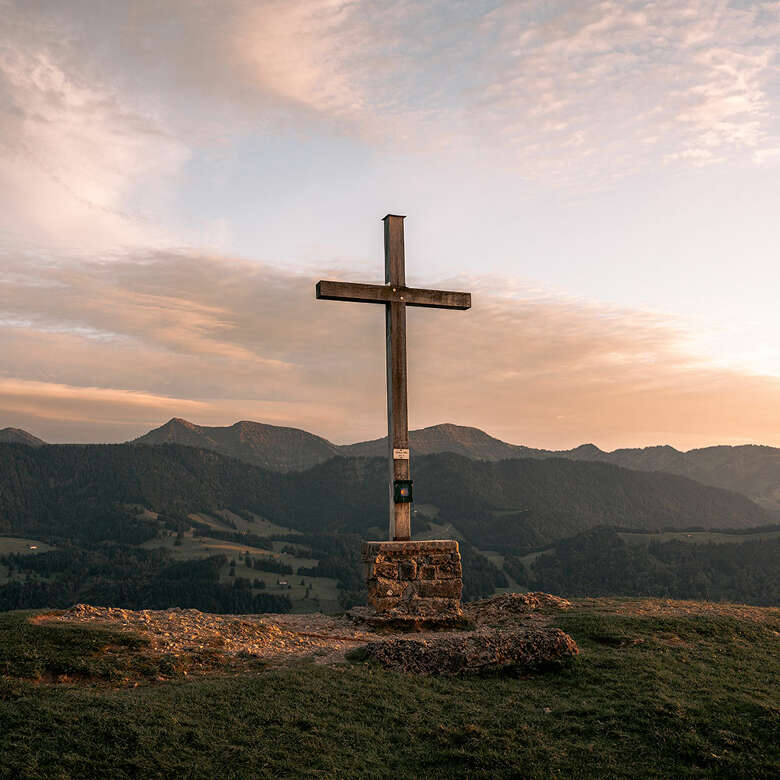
(749, 469)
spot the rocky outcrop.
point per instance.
(477, 653)
(509, 607)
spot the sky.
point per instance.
(602, 176)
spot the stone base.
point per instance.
(399, 621)
(414, 581)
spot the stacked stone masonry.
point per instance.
(414, 578)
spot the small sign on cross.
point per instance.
(396, 296)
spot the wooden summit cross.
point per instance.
(396, 296)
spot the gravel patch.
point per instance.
(326, 639)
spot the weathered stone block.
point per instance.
(386, 569)
(415, 578)
(383, 588)
(445, 589)
(428, 607)
(383, 605)
(452, 569)
(407, 570)
(437, 559)
(405, 550)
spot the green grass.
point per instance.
(15, 544)
(648, 696)
(19, 545)
(193, 547)
(33, 652)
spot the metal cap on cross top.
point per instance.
(396, 296)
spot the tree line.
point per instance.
(128, 577)
(601, 563)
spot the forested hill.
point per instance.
(751, 470)
(77, 491)
(526, 502)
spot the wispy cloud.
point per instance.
(72, 146)
(96, 350)
(561, 91)
(102, 106)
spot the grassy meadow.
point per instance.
(689, 695)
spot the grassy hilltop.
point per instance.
(660, 689)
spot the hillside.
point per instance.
(751, 470)
(18, 436)
(70, 490)
(603, 561)
(659, 689)
(270, 446)
(157, 526)
(748, 469)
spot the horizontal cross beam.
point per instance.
(386, 293)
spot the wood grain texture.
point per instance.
(384, 293)
(397, 418)
(395, 296)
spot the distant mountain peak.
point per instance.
(450, 428)
(19, 436)
(182, 422)
(269, 446)
(444, 437)
(456, 431)
(587, 449)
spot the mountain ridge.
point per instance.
(751, 469)
(65, 490)
(279, 448)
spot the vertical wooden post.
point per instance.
(395, 296)
(397, 421)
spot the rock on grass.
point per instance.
(507, 607)
(513, 651)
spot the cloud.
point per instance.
(102, 105)
(597, 78)
(72, 147)
(563, 92)
(107, 350)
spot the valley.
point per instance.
(158, 525)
